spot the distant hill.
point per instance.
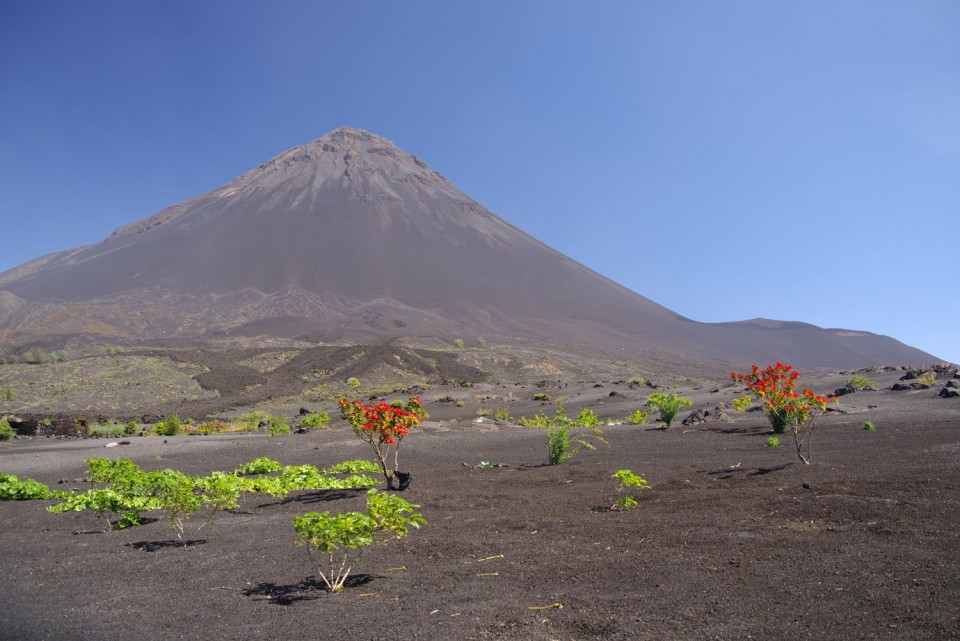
(349, 238)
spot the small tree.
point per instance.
(787, 410)
(334, 537)
(669, 405)
(383, 426)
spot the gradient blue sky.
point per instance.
(727, 159)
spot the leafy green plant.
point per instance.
(8, 394)
(169, 426)
(928, 379)
(859, 382)
(773, 441)
(213, 427)
(743, 403)
(313, 421)
(668, 405)
(14, 489)
(502, 414)
(358, 466)
(637, 380)
(252, 421)
(261, 465)
(868, 426)
(333, 537)
(353, 382)
(130, 428)
(627, 480)
(638, 417)
(587, 418)
(458, 343)
(541, 396)
(6, 431)
(278, 425)
(484, 465)
(102, 501)
(565, 437)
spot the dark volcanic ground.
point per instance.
(735, 540)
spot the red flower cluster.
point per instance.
(389, 423)
(776, 385)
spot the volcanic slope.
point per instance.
(350, 238)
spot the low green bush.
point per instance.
(278, 425)
(6, 431)
(669, 405)
(14, 489)
(868, 426)
(314, 421)
(859, 382)
(169, 426)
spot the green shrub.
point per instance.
(213, 427)
(169, 426)
(502, 414)
(358, 466)
(669, 405)
(261, 465)
(743, 403)
(313, 421)
(927, 379)
(587, 418)
(565, 436)
(868, 426)
(251, 421)
(859, 382)
(353, 382)
(627, 479)
(638, 417)
(458, 343)
(333, 537)
(278, 425)
(541, 396)
(773, 441)
(130, 428)
(13, 489)
(6, 431)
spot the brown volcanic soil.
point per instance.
(735, 541)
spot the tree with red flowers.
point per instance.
(787, 410)
(383, 426)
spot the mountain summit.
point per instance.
(351, 238)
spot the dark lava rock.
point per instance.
(843, 391)
(899, 387)
(696, 417)
(948, 392)
(615, 394)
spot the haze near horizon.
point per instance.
(698, 155)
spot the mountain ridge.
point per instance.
(351, 238)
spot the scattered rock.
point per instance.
(304, 411)
(615, 393)
(843, 391)
(114, 444)
(948, 392)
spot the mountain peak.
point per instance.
(349, 237)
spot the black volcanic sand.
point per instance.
(735, 540)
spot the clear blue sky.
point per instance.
(727, 159)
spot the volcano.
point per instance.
(351, 239)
